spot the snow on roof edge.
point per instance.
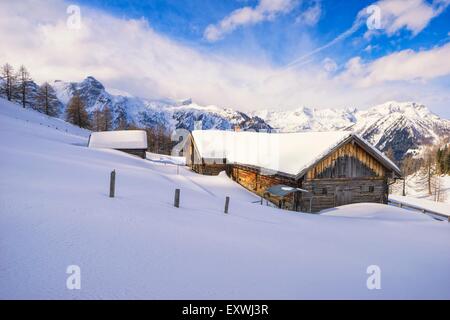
(119, 139)
(381, 154)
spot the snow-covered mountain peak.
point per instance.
(408, 109)
(91, 81)
(402, 126)
(167, 113)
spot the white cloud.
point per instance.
(370, 48)
(406, 65)
(412, 15)
(329, 65)
(129, 55)
(265, 10)
(311, 15)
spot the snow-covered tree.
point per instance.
(46, 100)
(76, 112)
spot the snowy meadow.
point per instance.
(55, 213)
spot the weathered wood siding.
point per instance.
(329, 193)
(347, 175)
(253, 180)
(349, 161)
(209, 169)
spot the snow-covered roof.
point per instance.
(290, 153)
(125, 139)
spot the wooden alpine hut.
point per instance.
(319, 169)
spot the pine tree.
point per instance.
(76, 112)
(46, 100)
(430, 165)
(96, 124)
(102, 119)
(24, 81)
(444, 160)
(8, 83)
(447, 163)
(107, 118)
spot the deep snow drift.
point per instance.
(55, 212)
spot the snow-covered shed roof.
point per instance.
(290, 153)
(124, 139)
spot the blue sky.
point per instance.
(244, 54)
(280, 39)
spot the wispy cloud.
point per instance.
(311, 15)
(413, 15)
(265, 10)
(406, 65)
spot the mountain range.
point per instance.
(170, 114)
(406, 127)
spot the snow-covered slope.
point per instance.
(55, 212)
(402, 126)
(418, 186)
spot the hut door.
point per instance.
(343, 196)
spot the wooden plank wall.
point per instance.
(348, 161)
(251, 179)
(325, 192)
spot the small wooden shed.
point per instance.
(335, 168)
(130, 141)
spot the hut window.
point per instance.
(371, 189)
(324, 191)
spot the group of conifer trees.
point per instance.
(443, 160)
(20, 87)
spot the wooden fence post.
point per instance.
(227, 203)
(176, 202)
(112, 184)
